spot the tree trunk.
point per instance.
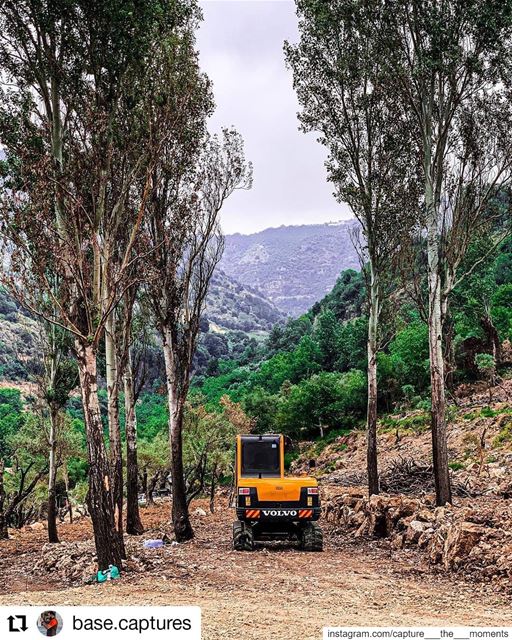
(150, 487)
(52, 477)
(133, 521)
(435, 327)
(492, 337)
(180, 516)
(371, 421)
(114, 429)
(100, 502)
(212, 489)
(4, 534)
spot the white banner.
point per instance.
(416, 633)
(100, 623)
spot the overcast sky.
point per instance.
(241, 47)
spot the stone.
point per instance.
(425, 538)
(460, 540)
(200, 512)
(398, 541)
(414, 531)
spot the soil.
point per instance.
(274, 592)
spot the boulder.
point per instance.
(460, 540)
(414, 531)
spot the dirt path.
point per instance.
(279, 593)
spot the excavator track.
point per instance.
(312, 537)
(243, 538)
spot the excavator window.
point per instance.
(260, 457)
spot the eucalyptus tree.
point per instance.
(450, 62)
(195, 175)
(71, 229)
(137, 336)
(343, 88)
(181, 266)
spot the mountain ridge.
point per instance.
(293, 266)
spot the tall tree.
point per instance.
(450, 61)
(59, 379)
(182, 267)
(344, 90)
(89, 245)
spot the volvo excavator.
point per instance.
(270, 505)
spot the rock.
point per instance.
(398, 541)
(37, 526)
(424, 515)
(414, 531)
(200, 512)
(425, 538)
(460, 540)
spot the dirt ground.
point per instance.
(275, 592)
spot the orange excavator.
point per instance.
(270, 505)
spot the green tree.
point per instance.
(327, 334)
(447, 60)
(409, 355)
(343, 85)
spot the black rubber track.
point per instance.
(312, 538)
(243, 539)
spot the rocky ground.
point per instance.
(275, 592)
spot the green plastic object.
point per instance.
(112, 573)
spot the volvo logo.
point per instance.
(278, 512)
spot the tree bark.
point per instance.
(435, 330)
(133, 521)
(100, 501)
(4, 534)
(371, 420)
(176, 400)
(114, 429)
(52, 477)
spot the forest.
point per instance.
(111, 192)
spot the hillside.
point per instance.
(234, 313)
(233, 306)
(293, 266)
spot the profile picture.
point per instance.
(49, 623)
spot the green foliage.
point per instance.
(152, 416)
(12, 417)
(409, 355)
(505, 434)
(327, 333)
(417, 423)
(347, 297)
(330, 400)
(502, 310)
(485, 363)
(294, 366)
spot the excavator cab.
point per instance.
(270, 505)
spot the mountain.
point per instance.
(234, 315)
(293, 266)
(233, 306)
